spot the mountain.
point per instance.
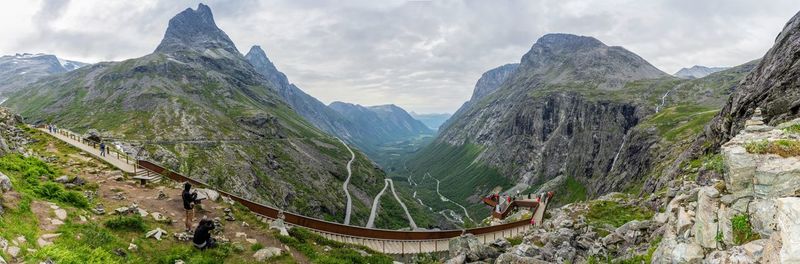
(432, 121)
(382, 122)
(574, 111)
(22, 69)
(385, 134)
(697, 71)
(491, 80)
(195, 30)
(319, 114)
(198, 106)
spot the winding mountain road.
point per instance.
(408, 215)
(349, 207)
(388, 183)
(445, 199)
(375, 202)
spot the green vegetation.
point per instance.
(793, 129)
(569, 192)
(33, 171)
(681, 121)
(602, 213)
(782, 147)
(515, 240)
(742, 229)
(311, 245)
(462, 178)
(126, 223)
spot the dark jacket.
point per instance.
(188, 199)
(203, 232)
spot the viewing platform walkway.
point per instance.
(395, 242)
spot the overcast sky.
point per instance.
(424, 56)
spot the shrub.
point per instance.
(742, 230)
(126, 223)
(54, 191)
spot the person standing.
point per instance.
(189, 199)
(102, 149)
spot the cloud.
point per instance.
(422, 55)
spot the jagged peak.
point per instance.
(194, 29)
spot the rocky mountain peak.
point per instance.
(568, 42)
(697, 71)
(195, 29)
(565, 58)
(491, 80)
(258, 58)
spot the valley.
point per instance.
(572, 150)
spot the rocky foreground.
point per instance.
(738, 206)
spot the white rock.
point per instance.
(61, 214)
(740, 168)
(209, 194)
(13, 251)
(787, 219)
(156, 233)
(252, 241)
(687, 253)
(762, 216)
(777, 177)
(241, 234)
(142, 212)
(133, 247)
(263, 254)
(5, 183)
(684, 222)
(705, 224)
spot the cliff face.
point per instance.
(573, 108)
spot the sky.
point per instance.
(424, 56)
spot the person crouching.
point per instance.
(202, 236)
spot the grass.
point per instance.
(569, 192)
(460, 175)
(681, 121)
(126, 223)
(603, 213)
(742, 229)
(311, 245)
(782, 147)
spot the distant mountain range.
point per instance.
(19, 70)
(433, 121)
(698, 71)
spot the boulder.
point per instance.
(687, 253)
(787, 217)
(526, 250)
(279, 225)
(510, 258)
(471, 247)
(265, 253)
(684, 222)
(740, 167)
(777, 177)
(762, 216)
(460, 259)
(209, 194)
(705, 224)
(671, 251)
(5, 183)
